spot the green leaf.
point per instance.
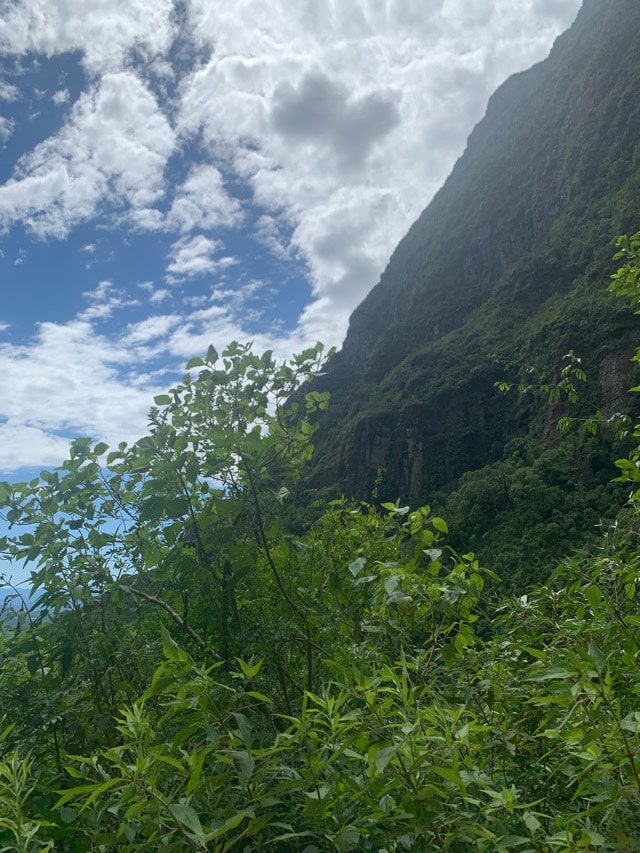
(593, 595)
(631, 722)
(259, 696)
(171, 649)
(245, 766)
(597, 657)
(248, 670)
(511, 841)
(171, 761)
(449, 774)
(67, 814)
(195, 362)
(391, 583)
(357, 566)
(74, 772)
(93, 791)
(187, 816)
(318, 794)
(162, 400)
(152, 509)
(244, 731)
(440, 524)
(532, 823)
(348, 839)
(228, 825)
(380, 755)
(197, 762)
(551, 673)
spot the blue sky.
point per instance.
(174, 174)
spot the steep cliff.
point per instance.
(510, 259)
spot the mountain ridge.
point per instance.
(511, 259)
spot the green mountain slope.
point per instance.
(510, 259)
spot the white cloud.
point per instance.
(7, 126)
(8, 92)
(147, 219)
(195, 256)
(267, 231)
(60, 97)
(26, 447)
(68, 380)
(151, 329)
(105, 299)
(563, 11)
(202, 202)
(115, 147)
(105, 30)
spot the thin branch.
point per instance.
(176, 618)
(276, 574)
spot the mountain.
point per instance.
(509, 262)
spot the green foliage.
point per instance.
(17, 783)
(200, 673)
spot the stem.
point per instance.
(264, 542)
(202, 554)
(627, 745)
(176, 618)
(226, 580)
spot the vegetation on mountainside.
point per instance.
(202, 674)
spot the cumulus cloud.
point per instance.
(66, 381)
(202, 202)
(105, 299)
(8, 92)
(26, 447)
(71, 379)
(326, 80)
(321, 112)
(268, 231)
(60, 97)
(152, 329)
(160, 296)
(195, 256)
(104, 30)
(115, 147)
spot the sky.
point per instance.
(175, 173)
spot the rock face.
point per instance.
(510, 259)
